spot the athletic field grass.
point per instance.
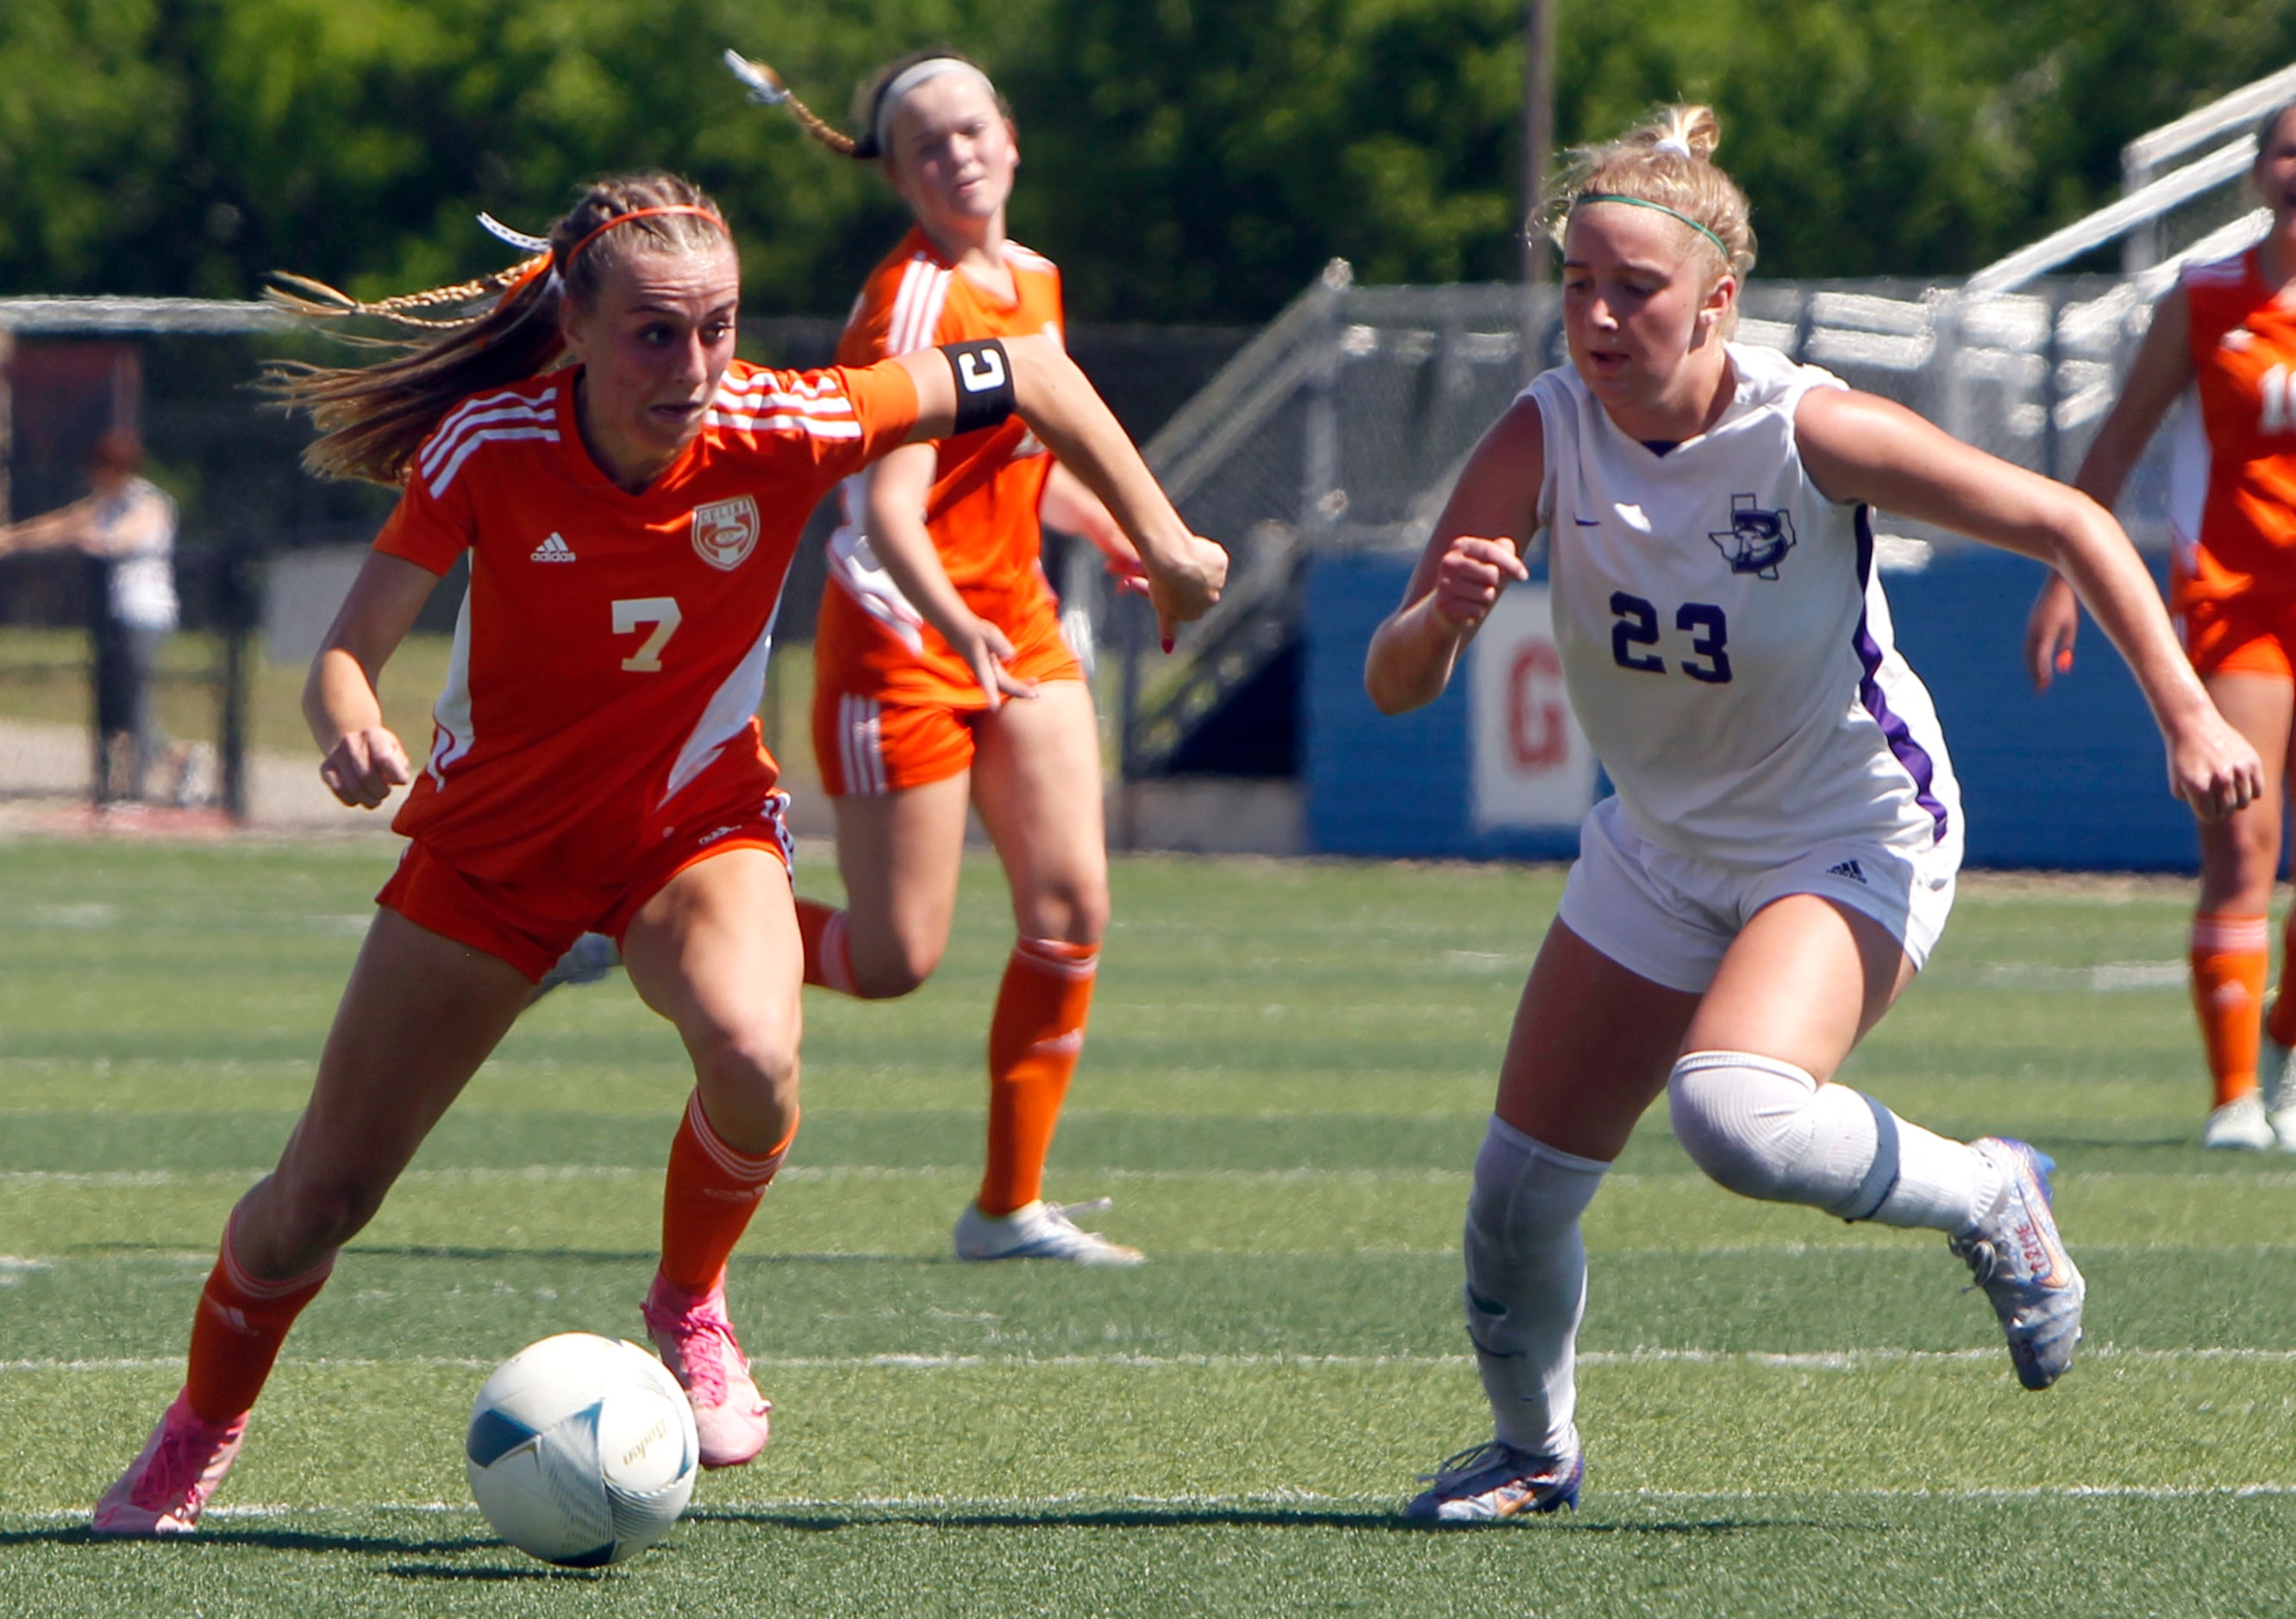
(1288, 1074)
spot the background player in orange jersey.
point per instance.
(941, 678)
(629, 517)
(2227, 332)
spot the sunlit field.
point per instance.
(1289, 1069)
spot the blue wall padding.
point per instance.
(2074, 779)
(1376, 785)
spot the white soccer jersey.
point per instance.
(1725, 641)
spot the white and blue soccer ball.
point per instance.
(582, 1450)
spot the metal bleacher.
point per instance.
(1337, 429)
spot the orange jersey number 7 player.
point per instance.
(629, 496)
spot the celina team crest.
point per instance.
(1757, 541)
(726, 532)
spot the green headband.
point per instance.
(1661, 207)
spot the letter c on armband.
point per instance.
(984, 383)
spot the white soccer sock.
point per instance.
(1527, 1283)
(1767, 1128)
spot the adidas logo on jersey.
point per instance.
(553, 550)
(1850, 869)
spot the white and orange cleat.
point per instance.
(2015, 1253)
(166, 1488)
(1040, 1231)
(697, 1344)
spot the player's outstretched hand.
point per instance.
(1469, 579)
(2213, 768)
(1184, 590)
(985, 647)
(2049, 632)
(364, 766)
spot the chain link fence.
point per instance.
(1344, 423)
(180, 374)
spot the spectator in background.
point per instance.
(126, 527)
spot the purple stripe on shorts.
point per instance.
(1910, 754)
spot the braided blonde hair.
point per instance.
(1667, 160)
(868, 101)
(374, 418)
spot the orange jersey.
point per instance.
(981, 510)
(2244, 347)
(611, 650)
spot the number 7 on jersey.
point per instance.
(631, 616)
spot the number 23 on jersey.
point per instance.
(1635, 625)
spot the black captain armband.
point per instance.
(984, 384)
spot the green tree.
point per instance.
(1185, 159)
(1189, 158)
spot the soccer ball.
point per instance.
(582, 1450)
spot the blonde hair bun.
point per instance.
(1691, 132)
(1668, 162)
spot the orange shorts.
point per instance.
(2234, 632)
(530, 923)
(872, 735)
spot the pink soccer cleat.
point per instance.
(166, 1488)
(697, 1344)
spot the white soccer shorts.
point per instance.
(1669, 918)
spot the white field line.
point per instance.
(1212, 1502)
(824, 1173)
(2104, 979)
(1829, 1359)
(1600, 1250)
(801, 1174)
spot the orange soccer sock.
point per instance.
(241, 1323)
(828, 947)
(1034, 1041)
(2231, 957)
(708, 1197)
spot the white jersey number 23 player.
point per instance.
(1724, 640)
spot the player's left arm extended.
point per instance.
(1858, 447)
(1185, 572)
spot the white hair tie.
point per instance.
(1675, 144)
(765, 89)
(500, 232)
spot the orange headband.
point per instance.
(711, 215)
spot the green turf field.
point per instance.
(1289, 1070)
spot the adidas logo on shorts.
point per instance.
(1848, 869)
(553, 550)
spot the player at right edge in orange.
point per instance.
(2225, 333)
(941, 678)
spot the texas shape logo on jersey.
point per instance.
(726, 532)
(1757, 541)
